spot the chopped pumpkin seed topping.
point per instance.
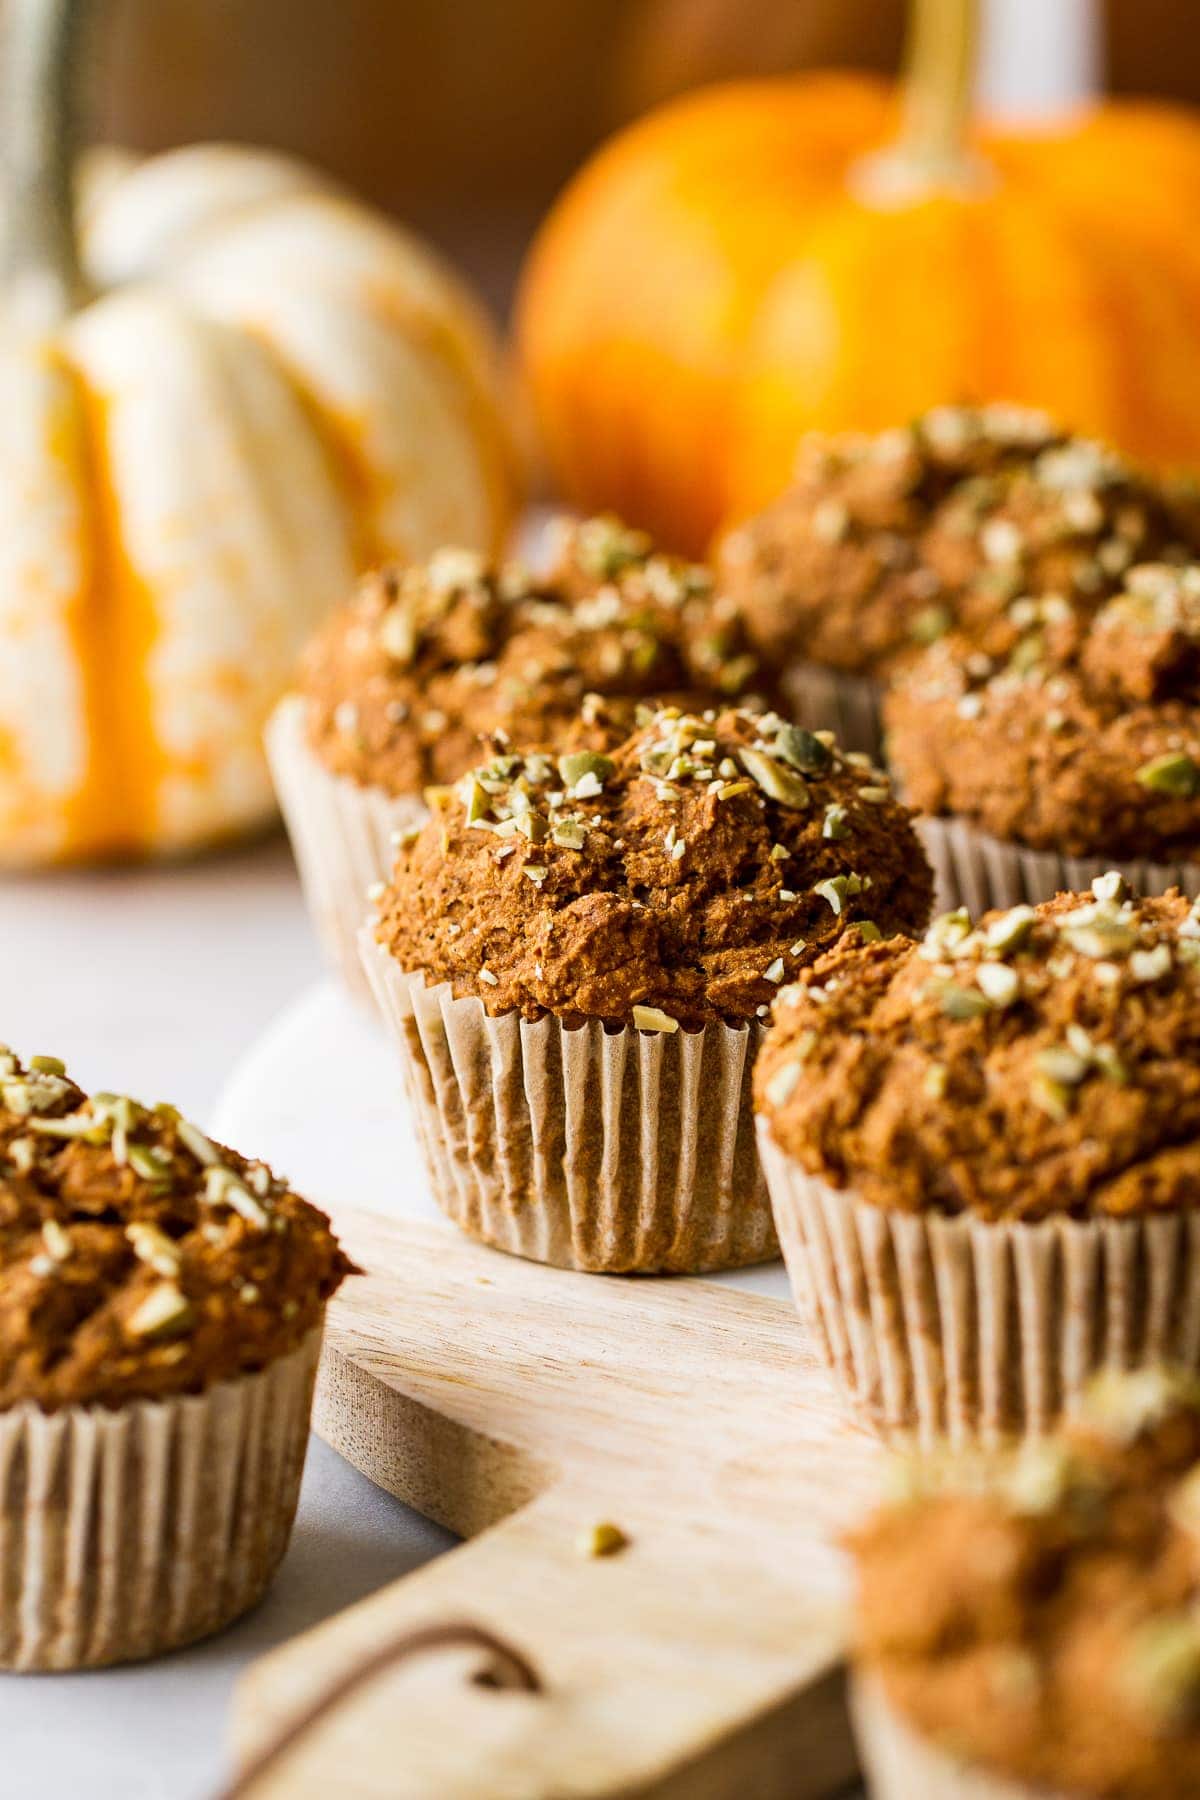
(424, 660)
(783, 1083)
(136, 1228)
(1082, 687)
(129, 1131)
(1176, 773)
(837, 889)
(958, 1002)
(866, 930)
(653, 1018)
(1039, 1062)
(1104, 1639)
(163, 1313)
(154, 1247)
(709, 850)
(56, 1239)
(531, 797)
(1001, 984)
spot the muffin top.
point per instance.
(677, 880)
(140, 1259)
(404, 682)
(1038, 1612)
(1084, 737)
(886, 543)
(1045, 1061)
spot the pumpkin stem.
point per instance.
(930, 154)
(41, 269)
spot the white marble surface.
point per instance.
(154, 982)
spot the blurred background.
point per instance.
(467, 117)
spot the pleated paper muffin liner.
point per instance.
(901, 1764)
(957, 1328)
(608, 1151)
(342, 835)
(827, 700)
(131, 1531)
(977, 871)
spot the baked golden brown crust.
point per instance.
(405, 682)
(690, 872)
(1084, 738)
(1044, 1062)
(1038, 1614)
(138, 1258)
(884, 544)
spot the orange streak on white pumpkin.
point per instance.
(115, 627)
(344, 439)
(340, 438)
(36, 812)
(496, 448)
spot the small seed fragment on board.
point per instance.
(603, 1539)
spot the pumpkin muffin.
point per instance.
(399, 691)
(983, 1152)
(160, 1321)
(575, 955)
(1077, 749)
(1028, 1623)
(885, 544)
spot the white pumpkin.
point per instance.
(246, 388)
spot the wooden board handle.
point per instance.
(642, 1662)
(527, 1405)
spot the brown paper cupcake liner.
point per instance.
(342, 836)
(901, 1764)
(977, 871)
(827, 700)
(954, 1327)
(127, 1532)
(608, 1151)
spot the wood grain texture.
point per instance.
(520, 1405)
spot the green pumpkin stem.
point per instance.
(930, 154)
(43, 279)
(938, 81)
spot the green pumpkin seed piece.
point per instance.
(1177, 774)
(775, 780)
(804, 750)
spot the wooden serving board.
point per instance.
(521, 1406)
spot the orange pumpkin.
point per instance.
(761, 259)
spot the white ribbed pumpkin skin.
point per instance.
(396, 360)
(135, 222)
(190, 472)
(234, 556)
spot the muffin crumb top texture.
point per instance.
(406, 680)
(140, 1259)
(1044, 1061)
(1037, 1613)
(886, 543)
(1084, 737)
(679, 879)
